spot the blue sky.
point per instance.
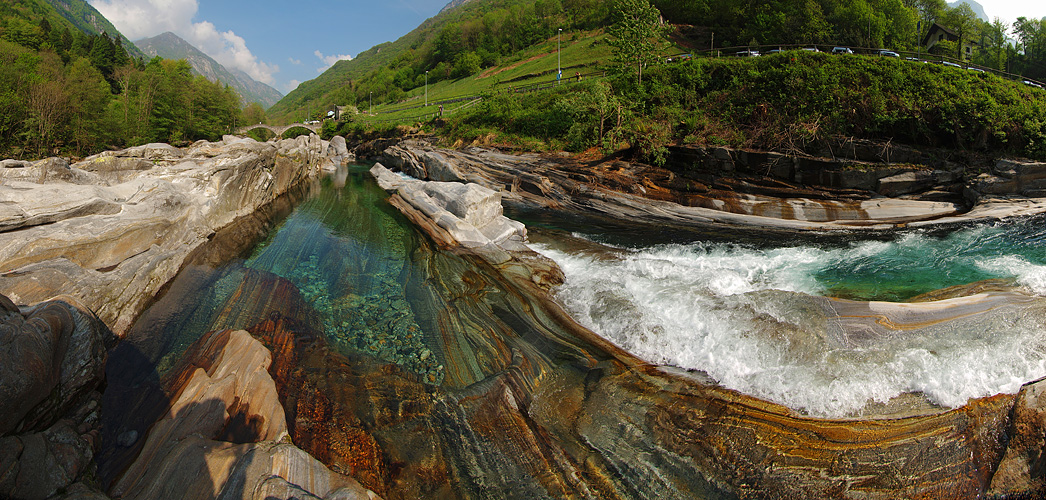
(280, 43)
(285, 42)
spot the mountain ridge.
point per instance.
(171, 46)
(977, 8)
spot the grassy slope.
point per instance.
(788, 102)
(324, 89)
(535, 65)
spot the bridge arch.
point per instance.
(278, 130)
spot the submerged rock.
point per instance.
(608, 425)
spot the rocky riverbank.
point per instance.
(105, 235)
(721, 187)
(690, 422)
(114, 228)
(528, 403)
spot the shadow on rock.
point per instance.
(52, 359)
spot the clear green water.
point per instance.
(349, 254)
(860, 266)
(710, 300)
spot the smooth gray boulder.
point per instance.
(470, 214)
(339, 148)
(906, 182)
(113, 237)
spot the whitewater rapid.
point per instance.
(752, 318)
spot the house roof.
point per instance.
(934, 28)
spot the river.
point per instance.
(736, 307)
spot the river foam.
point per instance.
(755, 319)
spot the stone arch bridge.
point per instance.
(278, 129)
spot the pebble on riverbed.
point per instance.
(380, 324)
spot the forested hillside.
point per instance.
(456, 43)
(23, 17)
(464, 40)
(87, 19)
(66, 91)
(170, 46)
(793, 102)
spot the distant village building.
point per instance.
(939, 34)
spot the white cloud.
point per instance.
(231, 50)
(329, 61)
(138, 19)
(1010, 10)
(291, 85)
(296, 62)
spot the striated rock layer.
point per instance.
(741, 189)
(113, 229)
(532, 405)
(610, 426)
(224, 434)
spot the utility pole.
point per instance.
(559, 66)
(712, 48)
(370, 100)
(426, 88)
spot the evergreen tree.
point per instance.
(103, 55)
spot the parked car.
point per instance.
(810, 49)
(748, 53)
(775, 51)
(976, 70)
(842, 50)
(1031, 84)
(888, 53)
(949, 63)
(915, 59)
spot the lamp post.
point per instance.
(426, 88)
(559, 66)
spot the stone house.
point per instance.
(938, 33)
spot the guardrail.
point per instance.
(865, 51)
